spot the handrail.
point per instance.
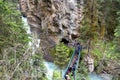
(77, 65)
(71, 61)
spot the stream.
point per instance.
(51, 67)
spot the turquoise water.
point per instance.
(51, 67)
(94, 76)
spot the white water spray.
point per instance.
(50, 69)
(34, 39)
(34, 44)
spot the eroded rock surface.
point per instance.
(90, 63)
(53, 20)
(58, 18)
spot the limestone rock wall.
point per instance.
(53, 20)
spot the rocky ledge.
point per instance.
(52, 20)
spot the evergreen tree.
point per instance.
(56, 75)
(15, 53)
(61, 55)
(117, 37)
(90, 22)
(108, 9)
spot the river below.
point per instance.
(51, 67)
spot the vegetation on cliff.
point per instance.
(101, 26)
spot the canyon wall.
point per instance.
(53, 20)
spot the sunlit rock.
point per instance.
(90, 63)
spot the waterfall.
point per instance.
(50, 69)
(35, 41)
(33, 45)
(27, 28)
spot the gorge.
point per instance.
(39, 38)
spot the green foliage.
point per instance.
(90, 27)
(101, 24)
(57, 75)
(99, 19)
(101, 52)
(39, 68)
(19, 63)
(12, 30)
(61, 56)
(86, 30)
(82, 71)
(107, 17)
(117, 34)
(38, 60)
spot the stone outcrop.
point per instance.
(55, 19)
(89, 62)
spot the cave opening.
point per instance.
(74, 36)
(65, 41)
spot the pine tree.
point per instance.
(62, 55)
(117, 35)
(90, 27)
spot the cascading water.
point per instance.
(35, 41)
(34, 46)
(50, 67)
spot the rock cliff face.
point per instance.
(53, 20)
